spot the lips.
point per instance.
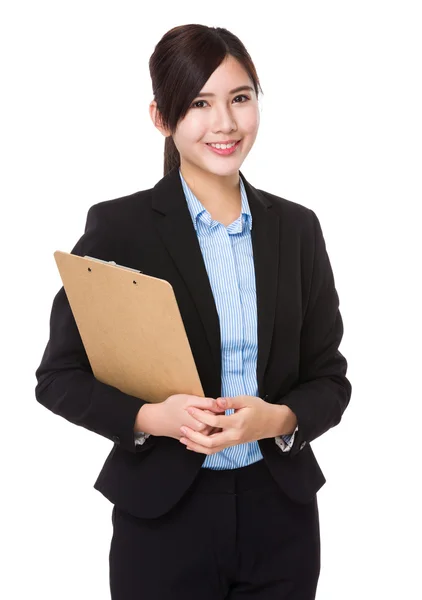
(226, 151)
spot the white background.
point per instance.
(340, 133)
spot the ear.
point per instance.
(156, 118)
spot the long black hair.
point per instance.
(182, 62)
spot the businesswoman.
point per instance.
(213, 498)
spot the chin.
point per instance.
(222, 171)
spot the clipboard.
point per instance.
(131, 327)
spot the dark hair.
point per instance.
(182, 61)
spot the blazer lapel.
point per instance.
(178, 235)
(266, 251)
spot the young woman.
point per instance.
(213, 498)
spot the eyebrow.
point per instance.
(238, 89)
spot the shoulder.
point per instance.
(123, 206)
(111, 224)
(292, 214)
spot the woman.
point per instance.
(215, 497)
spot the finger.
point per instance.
(215, 440)
(208, 418)
(215, 411)
(206, 429)
(235, 402)
(200, 438)
(194, 423)
(199, 449)
(223, 421)
(190, 445)
(202, 403)
(198, 426)
(207, 404)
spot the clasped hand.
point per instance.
(251, 420)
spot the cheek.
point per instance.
(195, 128)
(250, 122)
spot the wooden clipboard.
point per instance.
(131, 328)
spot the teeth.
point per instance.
(223, 146)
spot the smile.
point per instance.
(224, 149)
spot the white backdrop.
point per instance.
(340, 133)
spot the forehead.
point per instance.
(228, 78)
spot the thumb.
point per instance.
(234, 402)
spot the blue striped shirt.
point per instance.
(228, 258)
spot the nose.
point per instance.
(223, 120)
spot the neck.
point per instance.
(213, 190)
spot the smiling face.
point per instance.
(225, 109)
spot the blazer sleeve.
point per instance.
(323, 392)
(66, 384)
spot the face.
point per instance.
(217, 115)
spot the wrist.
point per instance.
(147, 419)
(282, 420)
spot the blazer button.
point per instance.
(265, 397)
(116, 439)
(303, 444)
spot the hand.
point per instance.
(166, 418)
(252, 420)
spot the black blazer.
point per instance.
(299, 331)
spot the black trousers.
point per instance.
(234, 536)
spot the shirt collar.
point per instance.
(197, 209)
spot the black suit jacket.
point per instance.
(299, 332)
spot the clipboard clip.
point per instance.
(112, 262)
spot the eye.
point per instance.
(194, 104)
(242, 96)
(197, 102)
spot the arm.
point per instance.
(66, 384)
(324, 391)
(143, 424)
